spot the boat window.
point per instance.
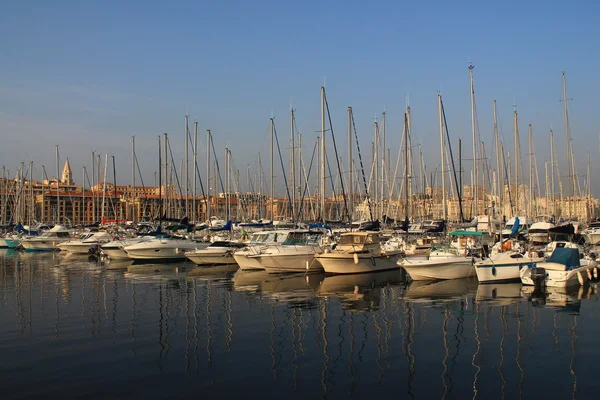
(302, 238)
(62, 234)
(351, 239)
(517, 255)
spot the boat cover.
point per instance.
(565, 256)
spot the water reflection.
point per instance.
(168, 330)
(362, 292)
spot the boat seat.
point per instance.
(551, 266)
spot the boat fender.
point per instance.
(372, 260)
(589, 273)
(307, 265)
(580, 277)
(355, 258)
(595, 273)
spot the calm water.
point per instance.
(72, 328)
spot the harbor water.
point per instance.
(72, 328)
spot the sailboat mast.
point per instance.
(323, 154)
(293, 161)
(382, 177)
(500, 176)
(517, 156)
(350, 177)
(475, 181)
(443, 158)
(552, 161)
(530, 200)
(406, 205)
(208, 144)
(187, 166)
(194, 210)
(567, 137)
(132, 198)
(58, 207)
(272, 171)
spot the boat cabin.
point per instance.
(358, 242)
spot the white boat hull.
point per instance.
(562, 279)
(115, 253)
(246, 262)
(593, 238)
(424, 270)
(348, 264)
(205, 258)
(297, 262)
(41, 245)
(161, 250)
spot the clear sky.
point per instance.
(87, 75)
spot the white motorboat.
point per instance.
(504, 266)
(522, 227)
(258, 242)
(565, 267)
(358, 252)
(592, 233)
(85, 242)
(217, 253)
(295, 254)
(115, 249)
(539, 232)
(163, 247)
(555, 244)
(444, 262)
(47, 241)
(9, 242)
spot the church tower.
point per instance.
(67, 174)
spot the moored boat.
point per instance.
(357, 252)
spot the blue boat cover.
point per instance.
(565, 256)
(515, 228)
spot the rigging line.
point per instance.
(282, 167)
(510, 202)
(362, 169)
(462, 217)
(174, 168)
(212, 144)
(337, 158)
(306, 183)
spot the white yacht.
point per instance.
(445, 262)
(295, 254)
(163, 247)
(217, 253)
(539, 232)
(47, 241)
(523, 227)
(504, 266)
(85, 242)
(357, 252)
(592, 233)
(115, 249)
(555, 244)
(566, 267)
(258, 242)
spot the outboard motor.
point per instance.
(485, 251)
(94, 253)
(538, 276)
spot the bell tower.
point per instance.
(67, 174)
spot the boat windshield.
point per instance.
(302, 238)
(347, 240)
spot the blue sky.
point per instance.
(89, 75)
